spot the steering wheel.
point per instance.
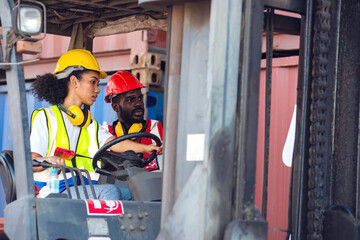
(103, 150)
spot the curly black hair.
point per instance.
(47, 87)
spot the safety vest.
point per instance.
(87, 142)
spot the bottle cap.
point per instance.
(53, 170)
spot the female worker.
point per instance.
(72, 86)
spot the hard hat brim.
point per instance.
(102, 74)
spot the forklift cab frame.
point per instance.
(217, 183)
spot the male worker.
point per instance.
(123, 91)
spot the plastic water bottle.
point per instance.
(53, 181)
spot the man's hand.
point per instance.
(160, 152)
(151, 148)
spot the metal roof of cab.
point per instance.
(101, 17)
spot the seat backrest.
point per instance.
(146, 186)
(7, 175)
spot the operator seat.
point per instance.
(7, 175)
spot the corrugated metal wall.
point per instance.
(283, 100)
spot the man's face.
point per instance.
(129, 106)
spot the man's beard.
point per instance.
(128, 117)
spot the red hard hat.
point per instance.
(120, 82)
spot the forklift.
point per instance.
(211, 116)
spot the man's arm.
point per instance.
(130, 145)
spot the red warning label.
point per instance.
(104, 207)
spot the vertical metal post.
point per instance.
(18, 111)
(247, 109)
(23, 227)
(172, 88)
(189, 179)
(226, 19)
(357, 204)
(269, 56)
(344, 78)
(301, 153)
(89, 42)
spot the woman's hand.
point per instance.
(55, 160)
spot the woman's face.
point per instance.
(87, 87)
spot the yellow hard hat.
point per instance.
(77, 58)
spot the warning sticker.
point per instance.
(104, 207)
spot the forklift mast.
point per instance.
(219, 70)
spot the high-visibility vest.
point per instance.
(87, 142)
